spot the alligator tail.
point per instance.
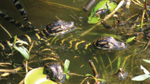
(11, 20)
(24, 15)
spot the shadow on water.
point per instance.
(72, 45)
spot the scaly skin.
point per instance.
(93, 18)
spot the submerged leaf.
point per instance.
(144, 70)
(140, 77)
(115, 36)
(145, 60)
(130, 39)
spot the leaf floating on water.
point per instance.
(36, 76)
(130, 39)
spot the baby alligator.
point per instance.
(54, 72)
(109, 43)
(58, 27)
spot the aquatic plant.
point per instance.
(95, 76)
(66, 66)
(144, 76)
(96, 79)
(24, 51)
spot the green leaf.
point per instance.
(21, 41)
(67, 76)
(140, 77)
(54, 38)
(15, 37)
(130, 39)
(119, 62)
(66, 65)
(24, 52)
(145, 60)
(36, 76)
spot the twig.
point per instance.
(6, 31)
(22, 81)
(84, 80)
(89, 5)
(131, 17)
(60, 5)
(26, 64)
(139, 4)
(116, 9)
(147, 45)
(93, 68)
(3, 63)
(10, 71)
(76, 74)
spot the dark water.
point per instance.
(106, 62)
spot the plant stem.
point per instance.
(93, 68)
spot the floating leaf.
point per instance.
(130, 39)
(145, 60)
(36, 76)
(140, 77)
(23, 51)
(66, 65)
(144, 70)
